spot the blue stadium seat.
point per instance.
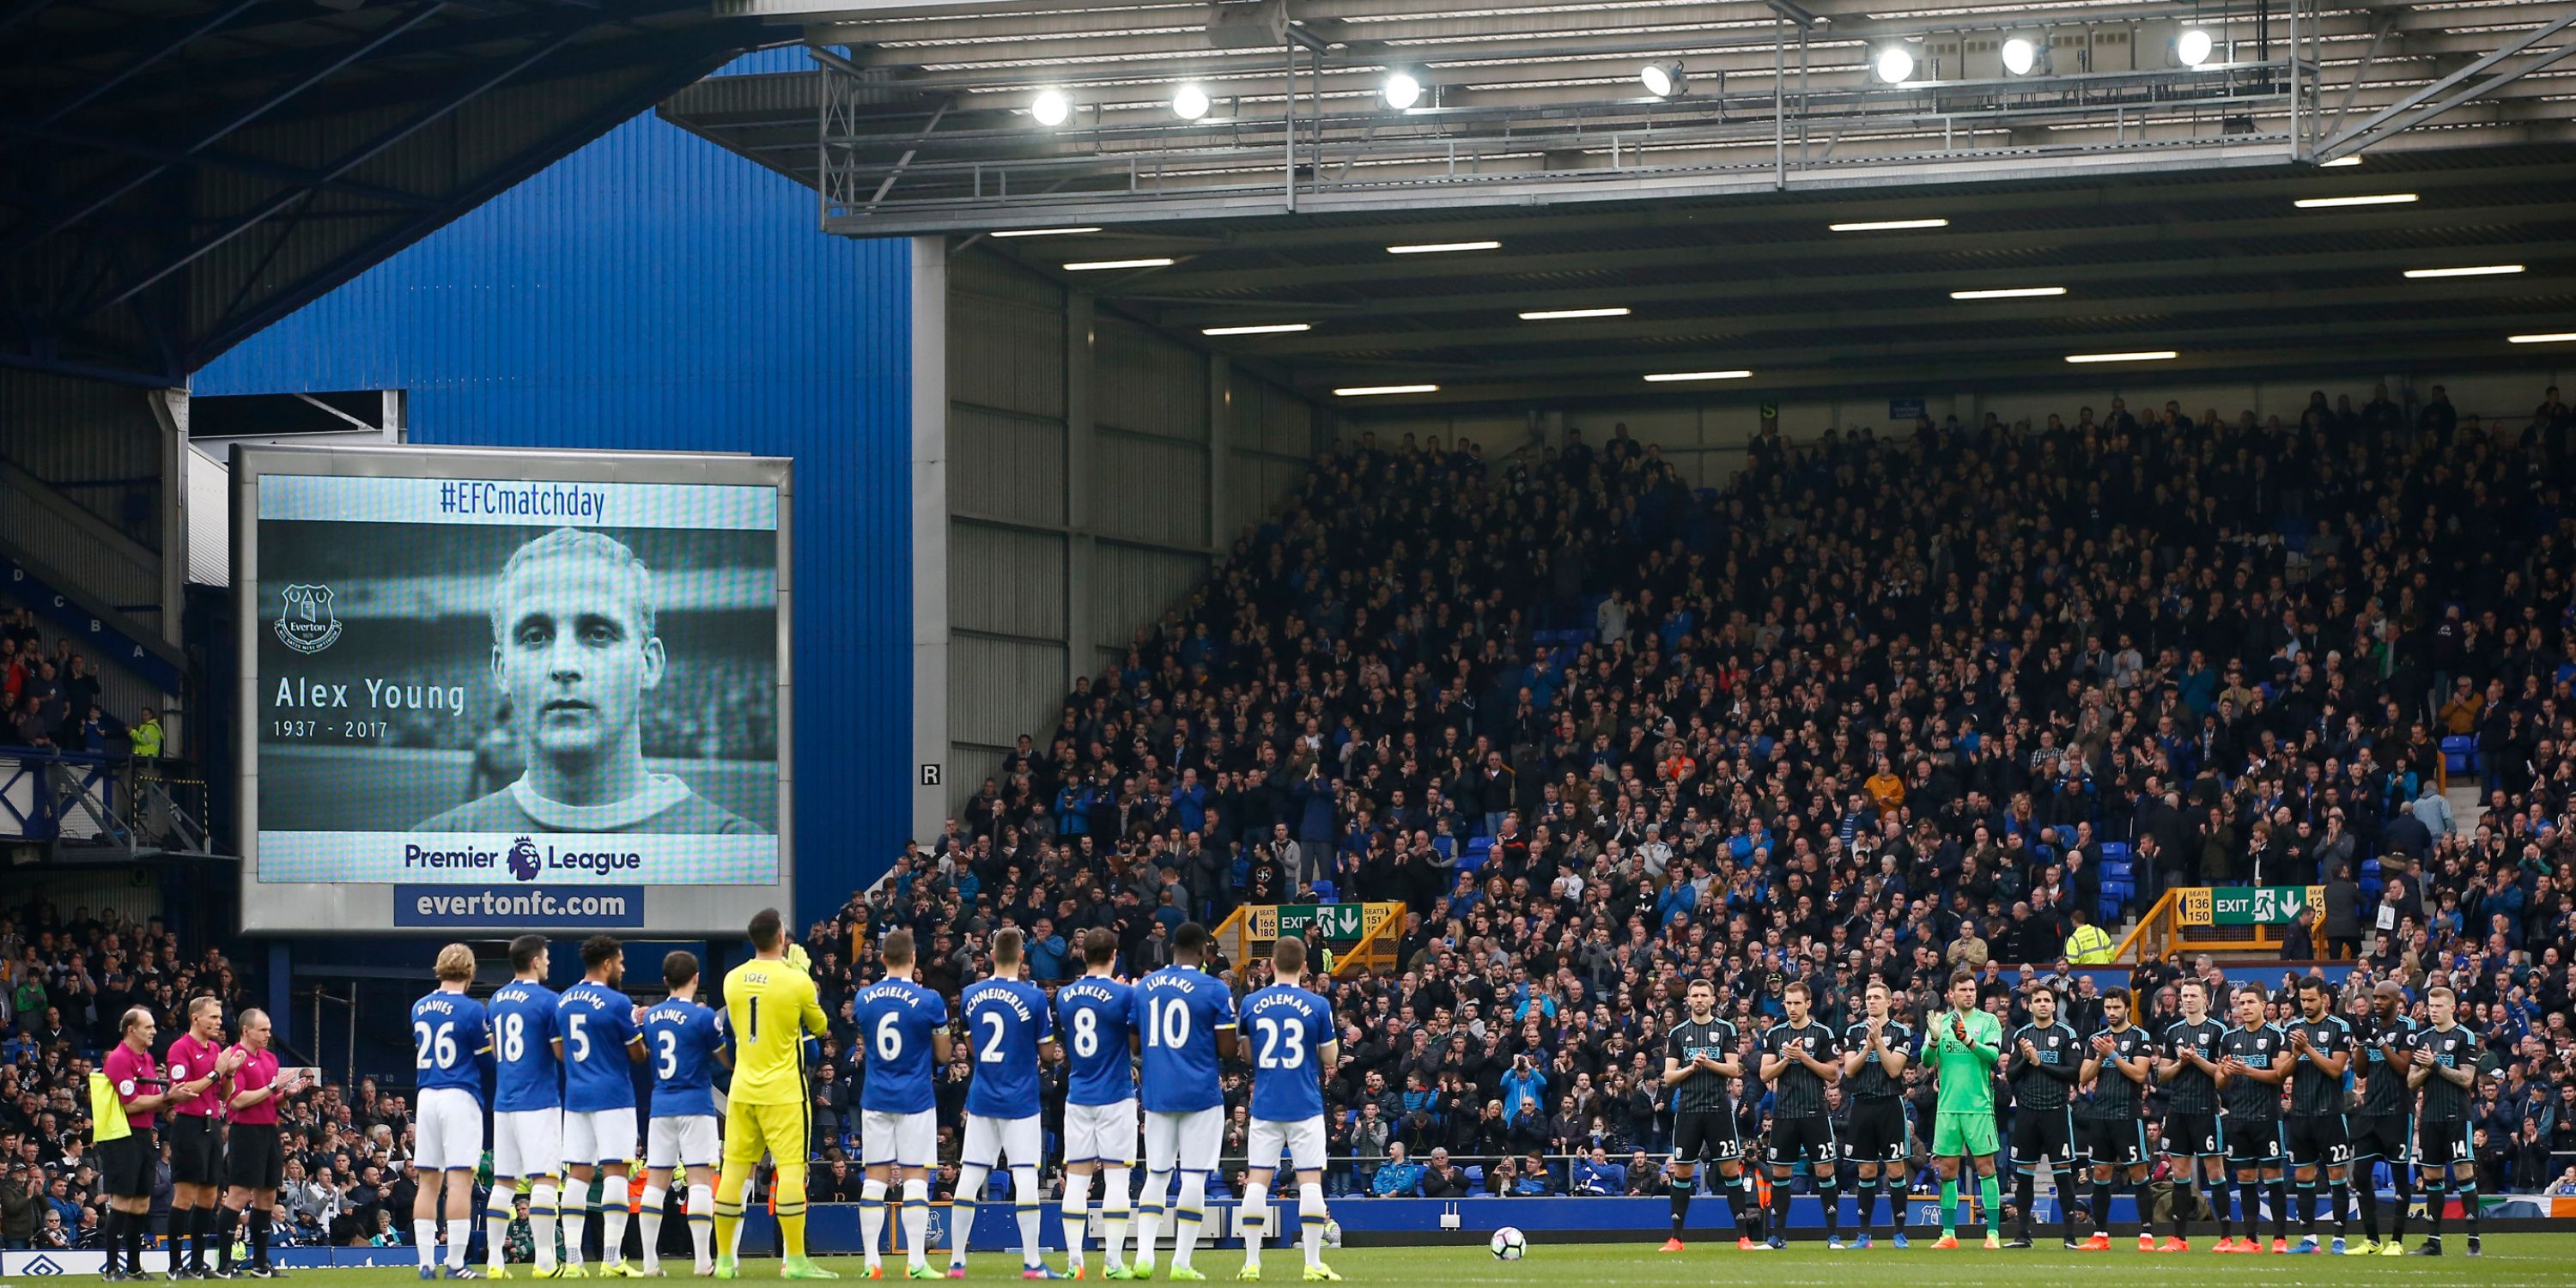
(1324, 892)
(2115, 851)
(2459, 753)
(2116, 870)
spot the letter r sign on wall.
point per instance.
(930, 775)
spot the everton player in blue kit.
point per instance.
(1096, 1014)
(1185, 1018)
(527, 1106)
(684, 1044)
(598, 1040)
(903, 1033)
(1293, 1051)
(450, 1035)
(1006, 1022)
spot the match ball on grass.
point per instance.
(1509, 1244)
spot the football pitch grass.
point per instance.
(2511, 1259)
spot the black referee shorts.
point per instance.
(1877, 1131)
(196, 1150)
(1802, 1139)
(1706, 1135)
(126, 1164)
(254, 1158)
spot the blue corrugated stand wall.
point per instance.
(653, 291)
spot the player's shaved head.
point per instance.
(1189, 943)
(1006, 947)
(896, 948)
(764, 929)
(1289, 955)
(679, 968)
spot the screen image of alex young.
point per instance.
(481, 699)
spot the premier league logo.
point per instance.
(523, 860)
(307, 624)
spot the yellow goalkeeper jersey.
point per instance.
(769, 1008)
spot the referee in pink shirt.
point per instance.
(196, 1059)
(127, 1163)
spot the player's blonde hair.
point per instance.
(575, 543)
(455, 964)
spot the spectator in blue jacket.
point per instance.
(1594, 1173)
(1399, 1176)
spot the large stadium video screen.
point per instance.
(506, 691)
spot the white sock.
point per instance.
(542, 1199)
(1186, 1221)
(1149, 1214)
(576, 1222)
(1253, 1216)
(1028, 1205)
(612, 1216)
(702, 1222)
(961, 1210)
(460, 1232)
(1117, 1205)
(496, 1222)
(916, 1222)
(651, 1219)
(425, 1233)
(1077, 1213)
(1310, 1219)
(872, 1199)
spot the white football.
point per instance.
(1509, 1244)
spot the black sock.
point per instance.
(1681, 1195)
(259, 1237)
(138, 1234)
(2221, 1198)
(2339, 1195)
(2065, 1187)
(2023, 1186)
(111, 1231)
(2369, 1193)
(2469, 1205)
(1894, 1184)
(1865, 1205)
(2433, 1188)
(1829, 1191)
(2403, 1188)
(2101, 1207)
(2183, 1204)
(2249, 1195)
(226, 1221)
(1780, 1205)
(2143, 1193)
(203, 1229)
(2280, 1195)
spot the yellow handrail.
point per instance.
(2163, 910)
(1382, 938)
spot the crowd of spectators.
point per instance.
(50, 698)
(1872, 709)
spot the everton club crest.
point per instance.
(307, 624)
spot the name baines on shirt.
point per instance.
(1700, 1091)
(1872, 1082)
(2313, 1092)
(2115, 1094)
(2384, 1093)
(1799, 1092)
(2261, 1047)
(2043, 1083)
(2456, 1047)
(2190, 1091)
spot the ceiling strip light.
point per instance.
(2552, 337)
(2474, 270)
(1887, 225)
(2143, 355)
(1369, 391)
(1266, 328)
(1664, 377)
(1041, 232)
(1094, 265)
(2340, 162)
(2376, 199)
(1558, 315)
(2009, 293)
(1438, 248)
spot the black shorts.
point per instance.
(253, 1157)
(126, 1164)
(2189, 1135)
(1706, 1135)
(1877, 1132)
(2442, 1144)
(2254, 1142)
(1797, 1139)
(2112, 1142)
(196, 1150)
(2042, 1134)
(2317, 1140)
(2382, 1136)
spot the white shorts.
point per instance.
(598, 1136)
(1101, 1133)
(680, 1140)
(991, 1141)
(1185, 1141)
(904, 1140)
(527, 1142)
(449, 1130)
(1302, 1140)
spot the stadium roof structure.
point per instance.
(183, 172)
(1769, 214)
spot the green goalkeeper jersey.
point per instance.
(1965, 1070)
